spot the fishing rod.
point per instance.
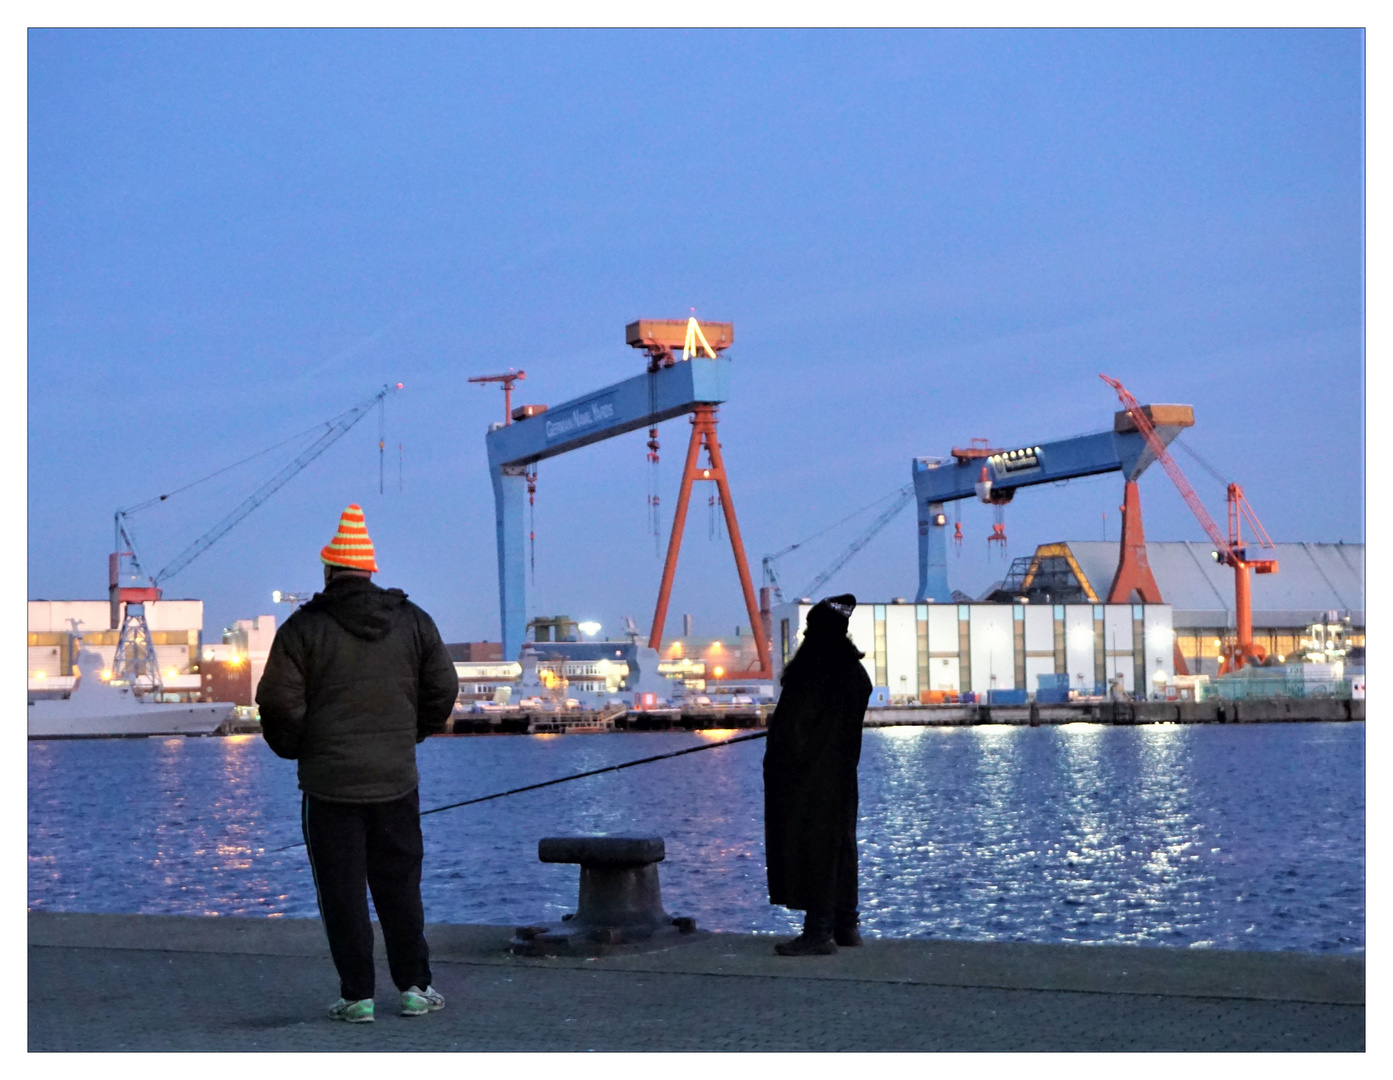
(574, 776)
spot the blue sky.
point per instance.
(921, 237)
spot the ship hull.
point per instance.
(47, 720)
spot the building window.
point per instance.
(921, 649)
(964, 647)
(881, 649)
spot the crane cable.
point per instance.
(227, 468)
(573, 776)
(334, 429)
(840, 521)
(1210, 469)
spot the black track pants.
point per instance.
(354, 847)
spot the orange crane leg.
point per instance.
(1134, 570)
(704, 434)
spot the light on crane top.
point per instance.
(694, 335)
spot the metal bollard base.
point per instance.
(620, 905)
(570, 939)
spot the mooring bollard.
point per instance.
(620, 900)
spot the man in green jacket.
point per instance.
(355, 679)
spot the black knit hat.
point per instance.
(831, 614)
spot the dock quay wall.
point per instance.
(1127, 713)
(1264, 711)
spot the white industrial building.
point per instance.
(480, 680)
(251, 640)
(930, 652)
(176, 628)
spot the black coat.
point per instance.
(810, 796)
(356, 678)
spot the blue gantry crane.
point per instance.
(696, 383)
(995, 475)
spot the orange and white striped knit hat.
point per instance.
(351, 545)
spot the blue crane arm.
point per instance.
(626, 406)
(338, 427)
(1039, 463)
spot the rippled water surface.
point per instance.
(1208, 835)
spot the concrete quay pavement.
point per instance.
(149, 983)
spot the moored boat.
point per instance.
(96, 710)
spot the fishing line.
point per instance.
(573, 776)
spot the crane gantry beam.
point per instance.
(996, 475)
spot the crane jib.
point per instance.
(337, 428)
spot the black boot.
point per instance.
(845, 931)
(815, 940)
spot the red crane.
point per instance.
(1231, 551)
(507, 381)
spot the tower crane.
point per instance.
(773, 586)
(132, 586)
(903, 498)
(1230, 551)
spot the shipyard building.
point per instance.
(1048, 619)
(57, 626)
(1317, 595)
(929, 653)
(191, 668)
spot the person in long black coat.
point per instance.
(810, 794)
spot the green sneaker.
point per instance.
(418, 1002)
(353, 1012)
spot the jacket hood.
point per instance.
(363, 609)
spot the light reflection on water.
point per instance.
(1200, 836)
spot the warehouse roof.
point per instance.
(1311, 579)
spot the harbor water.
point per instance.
(1216, 836)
